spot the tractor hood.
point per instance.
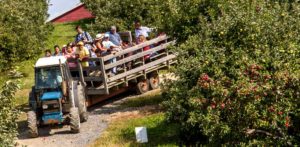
(51, 95)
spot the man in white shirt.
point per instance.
(112, 48)
(141, 30)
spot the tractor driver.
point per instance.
(49, 79)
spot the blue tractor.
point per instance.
(56, 98)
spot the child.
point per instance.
(48, 53)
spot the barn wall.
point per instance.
(74, 15)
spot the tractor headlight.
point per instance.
(45, 106)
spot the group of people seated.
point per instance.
(104, 44)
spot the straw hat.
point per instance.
(80, 43)
(99, 36)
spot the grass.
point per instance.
(65, 33)
(121, 132)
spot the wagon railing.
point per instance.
(160, 57)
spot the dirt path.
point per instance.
(99, 117)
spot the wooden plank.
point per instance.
(133, 76)
(104, 76)
(96, 91)
(96, 79)
(141, 68)
(155, 67)
(138, 55)
(137, 47)
(157, 56)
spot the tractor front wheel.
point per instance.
(74, 120)
(32, 124)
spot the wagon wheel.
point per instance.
(142, 86)
(154, 81)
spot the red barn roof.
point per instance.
(78, 13)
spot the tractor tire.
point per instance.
(142, 86)
(154, 81)
(80, 103)
(74, 120)
(32, 124)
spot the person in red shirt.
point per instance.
(70, 54)
(143, 39)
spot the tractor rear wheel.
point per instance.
(32, 124)
(80, 103)
(74, 120)
(142, 86)
(154, 81)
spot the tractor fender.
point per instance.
(31, 99)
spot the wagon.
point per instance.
(134, 71)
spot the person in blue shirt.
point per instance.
(114, 37)
(83, 36)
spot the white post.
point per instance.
(141, 134)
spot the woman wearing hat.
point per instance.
(97, 45)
